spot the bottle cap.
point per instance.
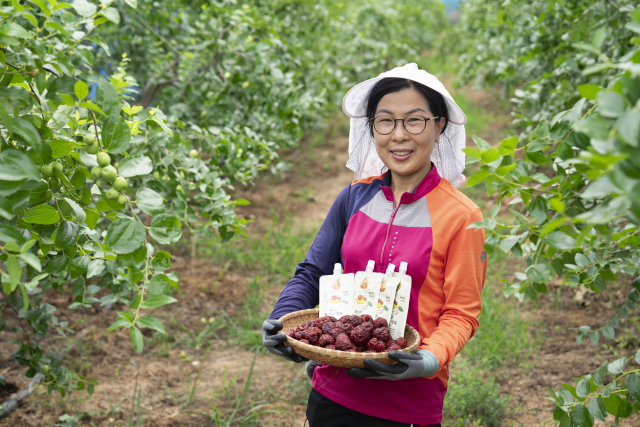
(390, 269)
(371, 265)
(337, 269)
(403, 267)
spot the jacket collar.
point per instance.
(428, 183)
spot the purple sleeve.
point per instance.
(302, 291)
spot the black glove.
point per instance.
(422, 363)
(273, 341)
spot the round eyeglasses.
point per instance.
(414, 125)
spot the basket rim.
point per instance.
(340, 353)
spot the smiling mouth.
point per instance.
(401, 153)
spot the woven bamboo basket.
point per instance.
(340, 359)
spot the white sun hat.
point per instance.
(447, 153)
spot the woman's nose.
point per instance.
(399, 133)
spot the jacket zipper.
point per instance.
(393, 215)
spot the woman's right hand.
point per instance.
(273, 341)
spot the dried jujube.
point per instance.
(326, 340)
(383, 334)
(360, 336)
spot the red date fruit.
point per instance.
(369, 326)
(290, 333)
(301, 328)
(360, 336)
(380, 322)
(305, 341)
(366, 318)
(382, 334)
(326, 340)
(343, 343)
(402, 342)
(335, 332)
(347, 328)
(376, 345)
(327, 327)
(298, 335)
(352, 319)
(393, 346)
(312, 335)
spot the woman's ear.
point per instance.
(441, 122)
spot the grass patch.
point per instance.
(274, 255)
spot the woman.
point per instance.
(405, 125)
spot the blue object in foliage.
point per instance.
(451, 5)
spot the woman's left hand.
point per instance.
(422, 363)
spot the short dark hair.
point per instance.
(388, 85)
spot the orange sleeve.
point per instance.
(464, 271)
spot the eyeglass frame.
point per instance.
(426, 120)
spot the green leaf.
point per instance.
(165, 229)
(159, 284)
(116, 135)
(609, 332)
(111, 14)
(125, 235)
(81, 89)
(617, 366)
(14, 30)
(84, 8)
(581, 260)
(119, 323)
(586, 46)
(508, 145)
(596, 68)
(25, 132)
(629, 126)
(538, 209)
(5, 118)
(136, 337)
(508, 242)
(599, 36)
(17, 166)
(597, 409)
(540, 273)
(161, 123)
(600, 374)
(637, 357)
(633, 386)
(107, 98)
(477, 178)
(32, 260)
(558, 239)
(584, 386)
(594, 337)
(42, 214)
(481, 143)
(610, 103)
(149, 202)
(67, 235)
(490, 155)
(581, 416)
(15, 272)
(156, 301)
(61, 147)
(589, 91)
(151, 322)
(135, 166)
(612, 403)
(80, 214)
(95, 268)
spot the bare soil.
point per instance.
(166, 376)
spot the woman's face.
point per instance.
(406, 154)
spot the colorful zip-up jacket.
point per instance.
(447, 265)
